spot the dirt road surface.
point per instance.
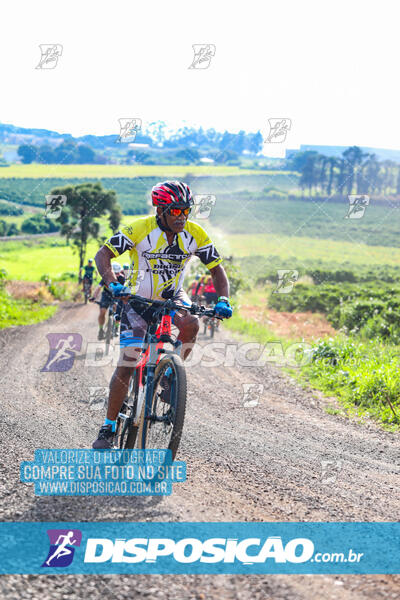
(261, 463)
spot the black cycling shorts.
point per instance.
(106, 299)
(211, 297)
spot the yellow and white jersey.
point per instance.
(158, 269)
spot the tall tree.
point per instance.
(309, 171)
(354, 157)
(27, 153)
(86, 202)
(388, 176)
(333, 162)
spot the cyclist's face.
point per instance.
(176, 222)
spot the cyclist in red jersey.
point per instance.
(209, 292)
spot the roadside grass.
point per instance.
(363, 375)
(38, 170)
(21, 311)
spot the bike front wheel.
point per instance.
(109, 333)
(162, 428)
(126, 431)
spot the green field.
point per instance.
(17, 219)
(297, 249)
(30, 259)
(257, 213)
(95, 171)
(133, 192)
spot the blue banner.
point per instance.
(307, 548)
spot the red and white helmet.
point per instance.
(172, 193)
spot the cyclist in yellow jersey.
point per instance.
(160, 248)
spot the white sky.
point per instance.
(331, 67)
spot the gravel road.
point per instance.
(285, 459)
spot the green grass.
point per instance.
(67, 171)
(22, 312)
(364, 375)
(30, 262)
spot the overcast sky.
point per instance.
(331, 67)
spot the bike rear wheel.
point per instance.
(205, 323)
(163, 427)
(86, 291)
(212, 327)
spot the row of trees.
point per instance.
(203, 139)
(32, 225)
(67, 153)
(354, 171)
(185, 146)
(184, 156)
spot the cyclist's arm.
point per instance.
(103, 263)
(96, 292)
(220, 280)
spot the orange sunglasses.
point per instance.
(175, 212)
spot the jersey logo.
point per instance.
(120, 242)
(165, 256)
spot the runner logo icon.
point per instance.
(63, 347)
(61, 551)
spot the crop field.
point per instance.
(296, 249)
(250, 213)
(95, 171)
(133, 191)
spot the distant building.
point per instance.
(138, 146)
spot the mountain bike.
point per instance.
(210, 324)
(146, 418)
(112, 325)
(87, 286)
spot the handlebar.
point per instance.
(194, 309)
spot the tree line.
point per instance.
(184, 146)
(355, 171)
(66, 153)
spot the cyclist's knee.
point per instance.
(123, 372)
(190, 326)
(128, 358)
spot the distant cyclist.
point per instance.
(88, 274)
(106, 297)
(160, 247)
(196, 289)
(126, 268)
(209, 292)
